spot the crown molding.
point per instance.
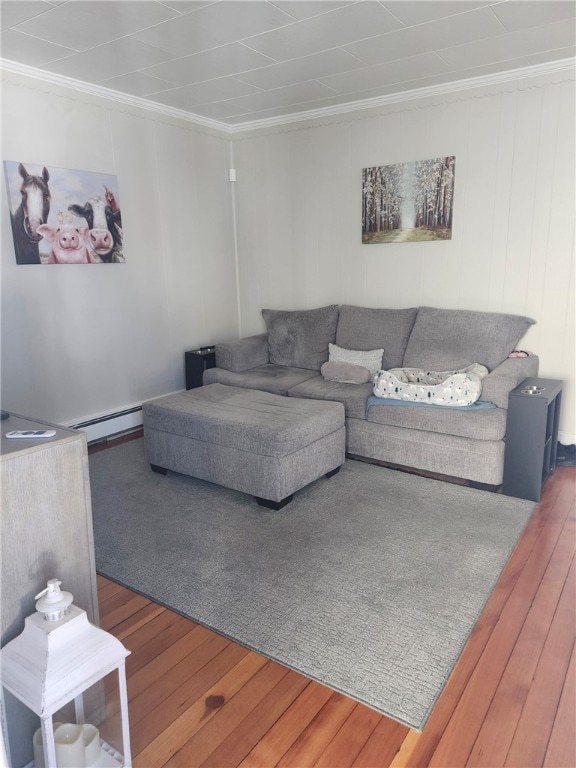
(457, 86)
(106, 93)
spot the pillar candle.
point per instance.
(91, 743)
(69, 740)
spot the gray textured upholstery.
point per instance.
(300, 339)
(489, 424)
(346, 373)
(268, 378)
(505, 377)
(447, 339)
(462, 444)
(243, 354)
(243, 418)
(478, 460)
(365, 328)
(255, 442)
(352, 396)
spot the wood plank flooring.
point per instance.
(197, 699)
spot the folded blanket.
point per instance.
(479, 405)
(446, 388)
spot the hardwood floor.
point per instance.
(197, 699)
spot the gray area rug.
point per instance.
(369, 582)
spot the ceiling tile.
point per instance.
(281, 97)
(425, 82)
(26, 49)
(556, 55)
(300, 70)
(189, 96)
(290, 109)
(137, 83)
(304, 10)
(521, 15)
(421, 11)
(85, 24)
(510, 46)
(431, 36)
(224, 22)
(226, 60)
(243, 60)
(14, 12)
(187, 6)
(219, 111)
(440, 79)
(330, 30)
(110, 60)
(387, 74)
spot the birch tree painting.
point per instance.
(408, 202)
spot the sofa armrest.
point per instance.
(243, 354)
(505, 377)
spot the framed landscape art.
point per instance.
(408, 202)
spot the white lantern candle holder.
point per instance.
(58, 656)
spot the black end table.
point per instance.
(196, 361)
(531, 437)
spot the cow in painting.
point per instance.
(104, 225)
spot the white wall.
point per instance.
(80, 341)
(512, 250)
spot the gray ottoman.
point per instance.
(256, 442)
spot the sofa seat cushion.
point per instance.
(352, 396)
(363, 328)
(488, 424)
(446, 339)
(300, 338)
(277, 379)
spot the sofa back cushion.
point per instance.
(446, 339)
(300, 339)
(364, 328)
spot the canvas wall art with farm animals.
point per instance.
(408, 202)
(63, 216)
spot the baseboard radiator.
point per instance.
(111, 424)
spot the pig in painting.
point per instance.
(68, 244)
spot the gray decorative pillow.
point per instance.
(370, 358)
(345, 373)
(300, 339)
(447, 339)
(366, 328)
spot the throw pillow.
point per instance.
(366, 328)
(345, 373)
(371, 358)
(300, 338)
(447, 339)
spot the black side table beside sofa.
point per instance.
(196, 361)
(531, 437)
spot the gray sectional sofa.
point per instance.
(460, 442)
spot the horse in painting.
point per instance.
(30, 214)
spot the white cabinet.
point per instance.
(46, 532)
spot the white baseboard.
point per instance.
(114, 425)
(566, 439)
(102, 425)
